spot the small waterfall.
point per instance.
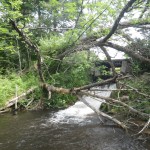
(93, 102)
(79, 113)
(74, 128)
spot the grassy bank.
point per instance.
(9, 84)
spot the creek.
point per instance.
(74, 128)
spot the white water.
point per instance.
(75, 128)
(79, 112)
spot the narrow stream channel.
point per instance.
(74, 128)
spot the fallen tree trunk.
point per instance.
(99, 113)
(144, 115)
(13, 101)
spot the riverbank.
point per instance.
(75, 128)
(13, 85)
(133, 91)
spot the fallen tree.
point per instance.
(15, 100)
(86, 44)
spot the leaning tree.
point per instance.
(82, 25)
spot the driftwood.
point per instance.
(13, 101)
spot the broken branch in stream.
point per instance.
(117, 102)
(99, 113)
(87, 104)
(136, 90)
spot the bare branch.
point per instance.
(12, 101)
(145, 8)
(127, 51)
(117, 102)
(136, 90)
(96, 111)
(99, 113)
(145, 126)
(133, 23)
(32, 46)
(109, 60)
(116, 23)
(112, 80)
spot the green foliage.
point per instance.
(137, 101)
(74, 72)
(143, 48)
(55, 44)
(60, 100)
(136, 68)
(56, 26)
(9, 83)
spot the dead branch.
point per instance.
(61, 90)
(136, 90)
(135, 23)
(109, 60)
(145, 126)
(13, 101)
(4, 111)
(32, 46)
(112, 80)
(110, 89)
(90, 106)
(127, 51)
(52, 88)
(116, 23)
(117, 102)
(99, 113)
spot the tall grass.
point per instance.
(9, 83)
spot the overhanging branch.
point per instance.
(32, 46)
(127, 51)
(116, 23)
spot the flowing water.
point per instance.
(74, 128)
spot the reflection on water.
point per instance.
(75, 128)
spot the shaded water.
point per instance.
(75, 128)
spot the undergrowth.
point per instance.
(134, 99)
(13, 82)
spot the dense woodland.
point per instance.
(47, 51)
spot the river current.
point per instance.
(74, 128)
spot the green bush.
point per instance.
(137, 101)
